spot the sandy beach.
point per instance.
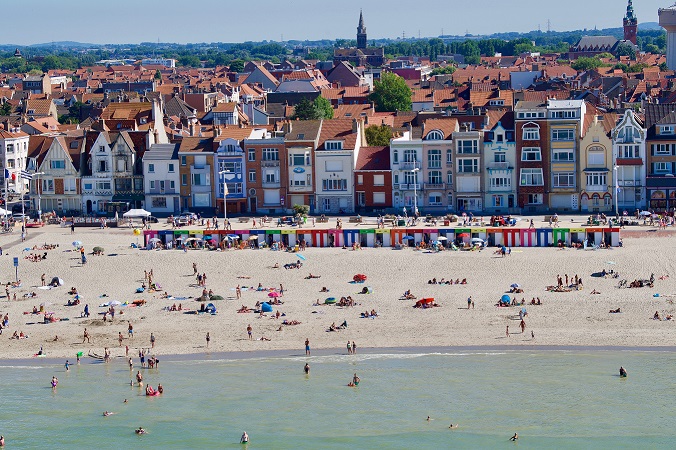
(577, 318)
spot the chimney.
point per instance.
(192, 128)
(355, 125)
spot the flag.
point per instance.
(225, 189)
(26, 175)
(6, 173)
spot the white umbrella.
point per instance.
(136, 213)
(442, 238)
(4, 212)
(155, 240)
(253, 238)
(645, 213)
(114, 303)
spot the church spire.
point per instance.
(362, 29)
(361, 32)
(630, 11)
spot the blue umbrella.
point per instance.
(505, 299)
(407, 238)
(233, 236)
(300, 256)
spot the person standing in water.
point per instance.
(307, 347)
(514, 438)
(306, 369)
(244, 439)
(208, 339)
(67, 366)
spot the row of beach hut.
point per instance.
(377, 237)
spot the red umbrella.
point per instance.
(273, 294)
(463, 235)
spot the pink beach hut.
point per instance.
(528, 237)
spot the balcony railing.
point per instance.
(597, 187)
(409, 165)
(435, 185)
(269, 163)
(498, 165)
(410, 186)
(270, 184)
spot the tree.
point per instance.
(447, 70)
(625, 49)
(302, 210)
(663, 66)
(5, 109)
(237, 65)
(391, 93)
(377, 135)
(582, 64)
(320, 108)
(158, 74)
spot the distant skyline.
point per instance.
(178, 21)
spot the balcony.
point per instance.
(435, 185)
(300, 188)
(409, 187)
(269, 163)
(271, 184)
(153, 191)
(597, 188)
(409, 165)
(629, 183)
(498, 166)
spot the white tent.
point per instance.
(4, 212)
(136, 213)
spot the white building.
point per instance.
(405, 160)
(500, 170)
(97, 184)
(169, 63)
(629, 156)
(13, 155)
(161, 179)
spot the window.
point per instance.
(379, 198)
(410, 177)
(151, 168)
(102, 148)
(326, 204)
(270, 154)
(496, 103)
(434, 177)
(596, 156)
(233, 188)
(152, 184)
(534, 199)
(449, 156)
(531, 177)
(410, 156)
(497, 201)
(103, 166)
(333, 166)
(88, 186)
(563, 135)
(435, 135)
(662, 167)
(47, 185)
(10, 148)
(563, 155)
(449, 177)
(252, 176)
(57, 164)
(252, 154)
(171, 168)
(172, 184)
(531, 154)
(271, 176)
(159, 202)
(564, 179)
(184, 179)
(334, 185)
(434, 159)
(667, 129)
(596, 179)
(184, 161)
(360, 179)
(333, 145)
(396, 178)
(230, 166)
(103, 186)
(379, 180)
(629, 151)
(531, 134)
(499, 157)
(500, 182)
(435, 200)
(661, 149)
(563, 114)
(395, 156)
(499, 137)
(200, 179)
(468, 165)
(468, 147)
(299, 159)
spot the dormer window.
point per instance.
(435, 135)
(102, 148)
(498, 102)
(667, 129)
(333, 145)
(30, 112)
(499, 137)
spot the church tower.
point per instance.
(630, 24)
(361, 32)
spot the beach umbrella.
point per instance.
(77, 244)
(301, 256)
(273, 294)
(114, 303)
(154, 240)
(505, 299)
(232, 236)
(407, 238)
(463, 235)
(514, 285)
(442, 238)
(253, 238)
(645, 213)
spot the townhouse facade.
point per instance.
(230, 172)
(436, 168)
(373, 180)
(405, 161)
(500, 182)
(196, 169)
(13, 158)
(97, 180)
(301, 139)
(59, 185)
(661, 156)
(468, 170)
(597, 177)
(267, 193)
(161, 179)
(532, 149)
(629, 153)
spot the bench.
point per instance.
(243, 219)
(355, 219)
(322, 220)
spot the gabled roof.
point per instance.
(373, 158)
(177, 107)
(447, 126)
(338, 130)
(196, 145)
(159, 152)
(225, 107)
(303, 130)
(657, 113)
(40, 107)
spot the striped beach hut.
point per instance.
(528, 237)
(351, 236)
(545, 237)
(561, 235)
(511, 237)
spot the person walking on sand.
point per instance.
(130, 330)
(354, 348)
(238, 292)
(281, 290)
(249, 331)
(469, 301)
(507, 332)
(86, 337)
(194, 268)
(42, 279)
(532, 334)
(307, 346)
(208, 339)
(523, 326)
(120, 338)
(152, 340)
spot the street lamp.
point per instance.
(415, 191)
(617, 191)
(39, 191)
(225, 195)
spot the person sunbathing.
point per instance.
(324, 289)
(594, 292)
(615, 311)
(656, 316)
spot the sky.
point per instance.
(181, 21)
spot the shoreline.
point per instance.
(288, 353)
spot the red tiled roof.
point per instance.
(373, 158)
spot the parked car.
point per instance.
(16, 208)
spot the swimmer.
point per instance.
(514, 438)
(453, 426)
(356, 380)
(2, 441)
(107, 413)
(55, 382)
(125, 401)
(306, 368)
(428, 418)
(244, 439)
(623, 372)
(140, 430)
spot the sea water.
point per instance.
(552, 399)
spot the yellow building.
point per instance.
(596, 163)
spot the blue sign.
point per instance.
(299, 170)
(16, 262)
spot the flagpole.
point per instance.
(6, 188)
